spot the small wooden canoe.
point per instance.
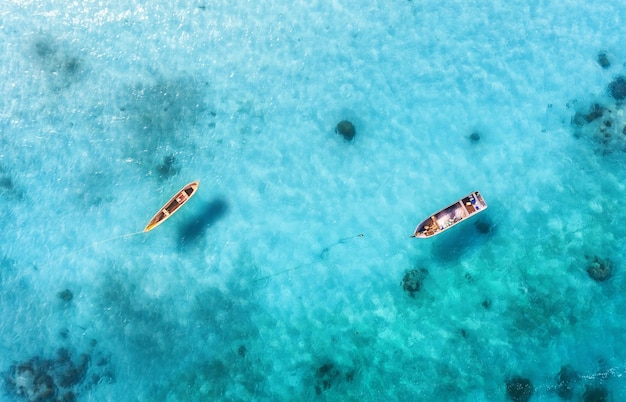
(173, 205)
(443, 220)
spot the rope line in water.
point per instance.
(92, 245)
(323, 254)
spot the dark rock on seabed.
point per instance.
(474, 137)
(617, 88)
(60, 378)
(599, 269)
(329, 374)
(66, 295)
(565, 380)
(596, 394)
(603, 59)
(412, 280)
(519, 389)
(346, 130)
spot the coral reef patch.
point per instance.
(168, 167)
(596, 393)
(603, 124)
(617, 88)
(159, 113)
(474, 137)
(66, 295)
(603, 59)
(63, 377)
(603, 119)
(346, 130)
(61, 65)
(599, 269)
(519, 389)
(8, 187)
(565, 381)
(412, 280)
(330, 374)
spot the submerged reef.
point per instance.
(603, 119)
(603, 59)
(6, 184)
(594, 112)
(599, 269)
(604, 124)
(474, 137)
(519, 389)
(330, 374)
(596, 393)
(61, 378)
(160, 112)
(571, 385)
(412, 280)
(325, 375)
(8, 188)
(62, 66)
(168, 167)
(66, 295)
(617, 88)
(346, 130)
(565, 381)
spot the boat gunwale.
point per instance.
(156, 220)
(433, 217)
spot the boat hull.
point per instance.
(451, 215)
(170, 207)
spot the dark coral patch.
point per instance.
(603, 124)
(519, 389)
(6, 183)
(594, 112)
(596, 394)
(8, 188)
(603, 59)
(59, 62)
(60, 378)
(160, 111)
(617, 88)
(325, 376)
(412, 280)
(169, 167)
(66, 295)
(330, 374)
(599, 269)
(565, 380)
(346, 130)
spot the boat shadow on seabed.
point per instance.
(209, 213)
(453, 245)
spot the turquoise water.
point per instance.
(282, 278)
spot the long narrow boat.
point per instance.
(172, 205)
(457, 212)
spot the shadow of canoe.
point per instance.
(209, 213)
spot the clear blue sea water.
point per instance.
(282, 279)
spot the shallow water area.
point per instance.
(282, 278)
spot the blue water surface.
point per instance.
(292, 274)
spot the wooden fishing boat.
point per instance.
(173, 205)
(451, 215)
